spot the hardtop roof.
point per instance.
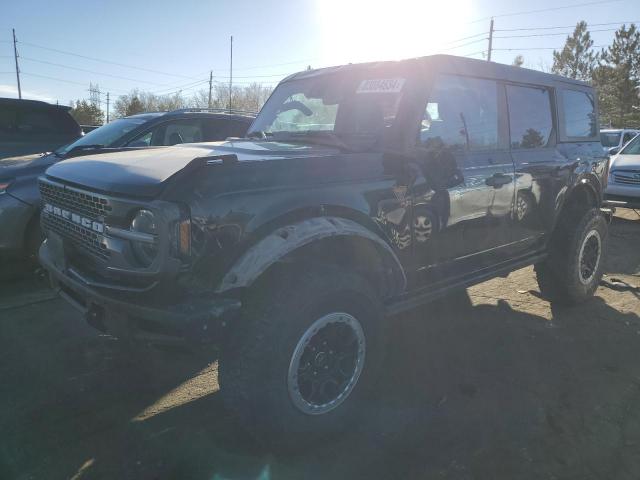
(451, 64)
(32, 104)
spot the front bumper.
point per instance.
(197, 320)
(14, 218)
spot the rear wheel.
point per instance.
(573, 270)
(306, 351)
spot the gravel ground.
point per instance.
(493, 385)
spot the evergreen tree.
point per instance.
(87, 113)
(577, 59)
(618, 79)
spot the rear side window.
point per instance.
(579, 114)
(36, 122)
(7, 119)
(217, 129)
(462, 113)
(530, 119)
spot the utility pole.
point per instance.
(107, 107)
(15, 56)
(490, 40)
(231, 73)
(210, 86)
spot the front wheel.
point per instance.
(573, 270)
(307, 349)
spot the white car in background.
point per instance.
(614, 139)
(623, 189)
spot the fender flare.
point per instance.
(284, 240)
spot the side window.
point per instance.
(36, 122)
(143, 140)
(579, 114)
(183, 131)
(627, 137)
(462, 113)
(217, 130)
(7, 120)
(530, 120)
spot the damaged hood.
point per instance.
(145, 172)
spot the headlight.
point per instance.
(145, 251)
(4, 184)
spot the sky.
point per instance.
(166, 46)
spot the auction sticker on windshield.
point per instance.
(381, 85)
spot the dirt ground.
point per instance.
(499, 387)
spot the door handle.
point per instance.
(497, 180)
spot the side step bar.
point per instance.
(410, 302)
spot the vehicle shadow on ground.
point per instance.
(481, 391)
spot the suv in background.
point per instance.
(360, 191)
(30, 126)
(614, 139)
(20, 233)
(623, 189)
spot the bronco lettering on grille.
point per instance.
(74, 217)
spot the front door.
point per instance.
(463, 196)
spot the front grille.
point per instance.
(88, 241)
(627, 177)
(87, 204)
(79, 203)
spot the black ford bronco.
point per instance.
(358, 192)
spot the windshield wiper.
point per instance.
(84, 147)
(259, 134)
(325, 137)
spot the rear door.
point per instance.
(541, 170)
(463, 200)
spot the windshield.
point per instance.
(105, 136)
(632, 148)
(610, 139)
(348, 109)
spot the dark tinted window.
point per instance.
(530, 120)
(36, 122)
(579, 114)
(609, 139)
(461, 113)
(628, 137)
(7, 119)
(216, 129)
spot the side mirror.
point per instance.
(614, 150)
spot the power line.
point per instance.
(178, 88)
(551, 9)
(86, 57)
(62, 80)
(475, 53)
(541, 48)
(465, 44)
(563, 26)
(89, 71)
(277, 64)
(553, 34)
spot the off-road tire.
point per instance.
(559, 275)
(255, 362)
